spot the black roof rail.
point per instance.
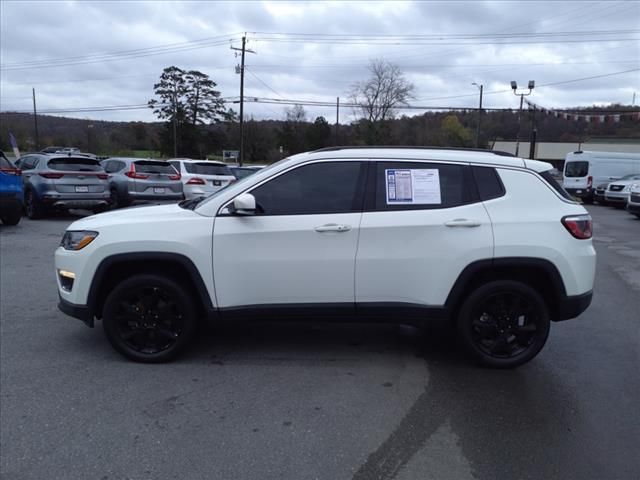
(407, 147)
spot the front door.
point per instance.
(298, 252)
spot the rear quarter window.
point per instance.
(488, 182)
(70, 164)
(555, 184)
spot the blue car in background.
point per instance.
(11, 194)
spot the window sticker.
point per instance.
(413, 186)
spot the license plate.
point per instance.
(158, 189)
(578, 191)
(217, 182)
(82, 189)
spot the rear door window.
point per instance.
(454, 184)
(205, 168)
(146, 166)
(576, 169)
(70, 164)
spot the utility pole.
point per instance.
(533, 135)
(243, 50)
(337, 118)
(479, 114)
(35, 117)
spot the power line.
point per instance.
(110, 57)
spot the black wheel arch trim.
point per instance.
(93, 300)
(564, 306)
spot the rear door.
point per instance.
(423, 224)
(156, 178)
(576, 174)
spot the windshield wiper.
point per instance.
(191, 204)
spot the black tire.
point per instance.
(115, 199)
(12, 216)
(33, 207)
(149, 318)
(504, 324)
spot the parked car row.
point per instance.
(615, 176)
(60, 180)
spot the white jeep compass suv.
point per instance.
(482, 239)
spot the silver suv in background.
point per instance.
(59, 182)
(133, 179)
(201, 178)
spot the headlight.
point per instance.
(627, 188)
(77, 240)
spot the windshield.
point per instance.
(576, 169)
(207, 168)
(631, 177)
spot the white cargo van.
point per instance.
(583, 171)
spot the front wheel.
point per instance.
(149, 318)
(504, 324)
(11, 216)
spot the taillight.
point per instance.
(579, 226)
(589, 181)
(51, 175)
(196, 181)
(175, 177)
(133, 174)
(103, 176)
(11, 171)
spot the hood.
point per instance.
(133, 215)
(624, 182)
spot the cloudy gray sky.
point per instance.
(86, 54)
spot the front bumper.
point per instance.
(633, 208)
(571, 306)
(616, 197)
(81, 312)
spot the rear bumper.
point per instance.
(581, 192)
(81, 312)
(164, 196)
(572, 306)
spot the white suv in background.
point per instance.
(633, 202)
(201, 178)
(487, 241)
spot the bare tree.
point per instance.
(386, 89)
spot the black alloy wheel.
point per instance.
(504, 324)
(149, 318)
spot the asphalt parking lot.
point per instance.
(316, 401)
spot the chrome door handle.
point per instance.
(333, 227)
(462, 222)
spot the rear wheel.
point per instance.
(504, 324)
(149, 318)
(33, 206)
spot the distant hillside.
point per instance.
(268, 140)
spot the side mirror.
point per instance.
(244, 204)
